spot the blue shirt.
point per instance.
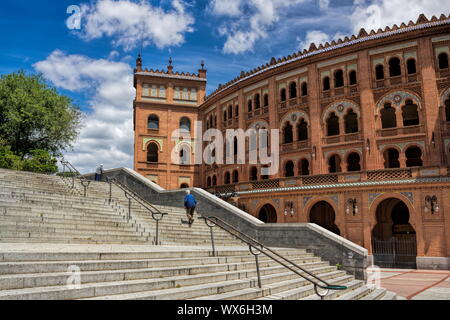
(189, 201)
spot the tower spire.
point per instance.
(170, 66)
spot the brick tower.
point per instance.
(166, 101)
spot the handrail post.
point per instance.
(258, 272)
(154, 216)
(211, 229)
(129, 205)
(110, 191)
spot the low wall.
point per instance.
(323, 243)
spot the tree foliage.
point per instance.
(33, 116)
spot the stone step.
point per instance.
(21, 281)
(355, 294)
(376, 294)
(10, 268)
(75, 236)
(70, 231)
(133, 286)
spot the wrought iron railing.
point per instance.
(74, 174)
(156, 214)
(257, 248)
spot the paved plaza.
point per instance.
(417, 284)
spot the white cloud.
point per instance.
(230, 8)
(130, 23)
(107, 135)
(324, 4)
(257, 16)
(381, 13)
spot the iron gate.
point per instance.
(395, 253)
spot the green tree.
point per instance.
(8, 160)
(33, 116)
(40, 161)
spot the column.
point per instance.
(315, 112)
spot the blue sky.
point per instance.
(93, 65)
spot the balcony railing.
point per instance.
(298, 145)
(401, 131)
(334, 179)
(350, 137)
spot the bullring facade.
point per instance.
(364, 138)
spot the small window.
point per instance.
(388, 117)
(288, 136)
(230, 111)
(253, 174)
(153, 122)
(236, 111)
(289, 169)
(411, 64)
(443, 61)
(351, 122)
(292, 90)
(302, 130)
(333, 125)
(304, 167)
(214, 180)
(339, 79)
(334, 164)
(185, 124)
(152, 153)
(379, 72)
(235, 176)
(326, 83)
(227, 178)
(257, 101)
(395, 69)
(304, 89)
(283, 95)
(352, 77)
(208, 182)
(266, 100)
(250, 106)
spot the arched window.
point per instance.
(230, 111)
(351, 122)
(443, 61)
(250, 105)
(289, 169)
(283, 95)
(235, 176)
(236, 111)
(304, 89)
(266, 100)
(447, 110)
(304, 167)
(253, 174)
(185, 155)
(379, 72)
(394, 67)
(411, 65)
(257, 99)
(293, 90)
(288, 136)
(414, 157)
(185, 124)
(338, 79)
(235, 146)
(225, 115)
(353, 162)
(153, 122)
(152, 153)
(388, 117)
(333, 125)
(326, 83)
(391, 157)
(334, 164)
(208, 182)
(302, 128)
(227, 178)
(410, 114)
(214, 180)
(352, 77)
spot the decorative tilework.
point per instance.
(293, 117)
(340, 108)
(372, 197)
(403, 146)
(277, 202)
(409, 195)
(255, 203)
(398, 99)
(335, 198)
(306, 200)
(445, 95)
(158, 141)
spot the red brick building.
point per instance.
(365, 138)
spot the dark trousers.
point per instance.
(98, 177)
(190, 212)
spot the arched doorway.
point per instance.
(322, 214)
(394, 243)
(268, 214)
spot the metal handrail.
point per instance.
(84, 182)
(252, 243)
(157, 215)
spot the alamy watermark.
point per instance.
(229, 149)
(74, 20)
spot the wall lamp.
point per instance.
(314, 152)
(368, 146)
(352, 207)
(289, 207)
(432, 202)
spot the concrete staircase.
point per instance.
(51, 234)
